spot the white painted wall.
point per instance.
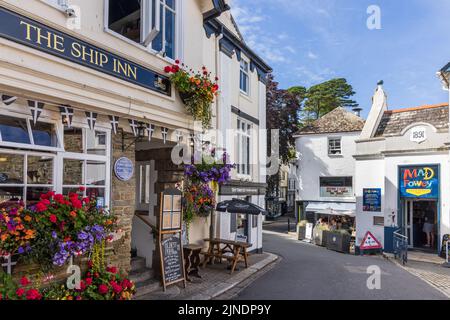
(314, 162)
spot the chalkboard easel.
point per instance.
(170, 239)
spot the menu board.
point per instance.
(171, 257)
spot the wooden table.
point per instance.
(233, 251)
(192, 260)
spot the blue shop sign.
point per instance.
(372, 200)
(124, 169)
(419, 182)
(36, 35)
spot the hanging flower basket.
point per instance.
(196, 89)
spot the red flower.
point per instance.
(82, 285)
(177, 61)
(96, 275)
(24, 281)
(20, 292)
(77, 203)
(175, 69)
(45, 202)
(86, 200)
(116, 288)
(167, 69)
(205, 72)
(40, 207)
(59, 198)
(1, 296)
(203, 68)
(127, 284)
(33, 294)
(90, 264)
(103, 289)
(82, 189)
(112, 270)
(88, 281)
(53, 218)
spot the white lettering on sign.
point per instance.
(370, 242)
(418, 134)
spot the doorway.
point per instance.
(420, 219)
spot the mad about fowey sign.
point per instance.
(33, 34)
(419, 182)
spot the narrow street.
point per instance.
(308, 272)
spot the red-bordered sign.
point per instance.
(370, 242)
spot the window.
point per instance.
(86, 163)
(24, 176)
(243, 147)
(334, 146)
(151, 23)
(244, 79)
(22, 131)
(332, 187)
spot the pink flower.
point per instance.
(20, 292)
(53, 218)
(40, 207)
(24, 281)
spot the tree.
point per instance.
(283, 114)
(327, 96)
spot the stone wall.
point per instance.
(122, 202)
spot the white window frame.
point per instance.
(85, 157)
(241, 153)
(329, 146)
(247, 74)
(178, 40)
(25, 184)
(32, 146)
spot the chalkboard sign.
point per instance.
(172, 259)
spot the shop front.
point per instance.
(419, 194)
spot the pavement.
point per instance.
(308, 272)
(216, 281)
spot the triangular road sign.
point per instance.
(370, 242)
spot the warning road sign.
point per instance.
(370, 242)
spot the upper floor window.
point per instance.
(334, 146)
(151, 23)
(243, 147)
(244, 79)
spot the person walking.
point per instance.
(428, 226)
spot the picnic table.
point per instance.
(233, 251)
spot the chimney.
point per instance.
(357, 111)
(379, 106)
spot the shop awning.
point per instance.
(332, 208)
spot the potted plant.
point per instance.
(301, 230)
(339, 240)
(196, 89)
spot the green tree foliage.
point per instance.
(325, 97)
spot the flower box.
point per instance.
(301, 233)
(320, 237)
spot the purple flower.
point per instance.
(20, 250)
(54, 235)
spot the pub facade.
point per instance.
(86, 103)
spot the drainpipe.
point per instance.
(212, 234)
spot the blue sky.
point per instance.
(310, 41)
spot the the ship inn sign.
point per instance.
(33, 34)
(419, 182)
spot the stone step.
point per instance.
(141, 275)
(145, 287)
(138, 263)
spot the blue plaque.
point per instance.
(124, 169)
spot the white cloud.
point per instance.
(312, 55)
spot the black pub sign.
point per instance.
(33, 34)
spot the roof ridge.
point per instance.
(423, 107)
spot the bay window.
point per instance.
(151, 23)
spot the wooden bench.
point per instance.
(233, 251)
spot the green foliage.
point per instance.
(326, 96)
(303, 223)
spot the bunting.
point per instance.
(8, 100)
(114, 123)
(36, 108)
(164, 133)
(67, 115)
(150, 129)
(91, 119)
(179, 136)
(134, 127)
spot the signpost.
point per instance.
(370, 243)
(170, 238)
